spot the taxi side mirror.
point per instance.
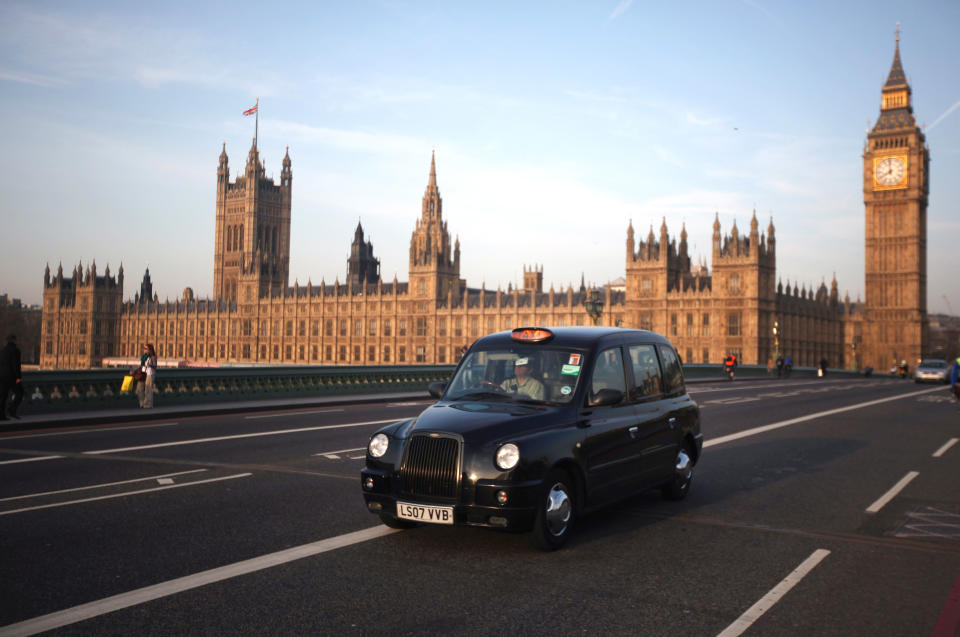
(605, 397)
(436, 389)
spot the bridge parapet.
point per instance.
(74, 390)
(100, 388)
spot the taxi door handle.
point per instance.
(633, 432)
(672, 421)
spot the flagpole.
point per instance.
(256, 126)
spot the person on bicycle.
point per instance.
(729, 363)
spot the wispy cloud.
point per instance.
(702, 121)
(620, 9)
(759, 7)
(944, 116)
(32, 78)
(350, 140)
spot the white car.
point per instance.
(933, 370)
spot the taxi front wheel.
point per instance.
(678, 486)
(554, 519)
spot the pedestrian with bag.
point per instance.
(145, 375)
(10, 378)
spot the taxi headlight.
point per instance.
(378, 445)
(508, 456)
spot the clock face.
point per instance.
(890, 171)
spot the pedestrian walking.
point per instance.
(10, 378)
(148, 365)
(955, 378)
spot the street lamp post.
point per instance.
(593, 304)
(776, 339)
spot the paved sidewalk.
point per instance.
(161, 412)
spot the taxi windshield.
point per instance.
(520, 373)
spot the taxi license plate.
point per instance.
(423, 513)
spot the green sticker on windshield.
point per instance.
(572, 370)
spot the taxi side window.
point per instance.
(646, 371)
(608, 371)
(672, 371)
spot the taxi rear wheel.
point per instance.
(396, 523)
(678, 486)
(555, 508)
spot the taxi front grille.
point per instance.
(430, 467)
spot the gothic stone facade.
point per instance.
(256, 317)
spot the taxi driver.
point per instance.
(523, 383)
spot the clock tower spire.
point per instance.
(895, 190)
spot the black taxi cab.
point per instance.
(536, 427)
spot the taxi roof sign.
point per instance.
(532, 334)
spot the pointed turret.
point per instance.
(897, 78)
(286, 175)
(896, 109)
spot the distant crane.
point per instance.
(947, 301)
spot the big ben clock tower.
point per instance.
(895, 187)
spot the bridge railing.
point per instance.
(54, 390)
(101, 388)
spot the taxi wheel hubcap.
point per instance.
(684, 468)
(558, 509)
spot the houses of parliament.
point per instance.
(257, 317)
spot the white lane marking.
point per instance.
(99, 486)
(88, 431)
(164, 480)
(295, 413)
(786, 423)
(942, 450)
(356, 457)
(279, 432)
(83, 612)
(124, 494)
(767, 601)
(892, 493)
(410, 404)
(37, 459)
(332, 455)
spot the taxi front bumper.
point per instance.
(478, 504)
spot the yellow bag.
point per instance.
(127, 384)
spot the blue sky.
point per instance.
(555, 124)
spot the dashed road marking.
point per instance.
(942, 450)
(294, 413)
(258, 434)
(754, 613)
(793, 421)
(335, 455)
(36, 459)
(892, 493)
(124, 494)
(102, 485)
(172, 587)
